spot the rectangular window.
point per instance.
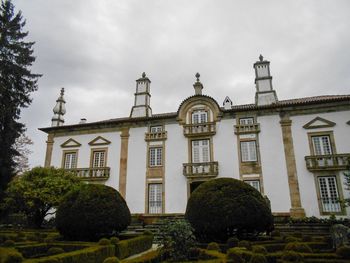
(200, 156)
(329, 194)
(99, 159)
(322, 145)
(155, 198)
(155, 129)
(70, 160)
(246, 121)
(248, 151)
(254, 183)
(155, 156)
(199, 116)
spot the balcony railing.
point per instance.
(155, 136)
(100, 173)
(330, 205)
(247, 128)
(328, 162)
(206, 128)
(208, 169)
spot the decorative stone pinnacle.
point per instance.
(143, 74)
(197, 76)
(62, 91)
(261, 58)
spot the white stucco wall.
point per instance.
(225, 149)
(176, 149)
(136, 170)
(301, 147)
(273, 163)
(84, 153)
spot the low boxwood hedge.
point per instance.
(87, 255)
(126, 248)
(10, 255)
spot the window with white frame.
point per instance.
(199, 116)
(322, 145)
(70, 160)
(254, 183)
(155, 198)
(155, 156)
(155, 129)
(99, 159)
(200, 151)
(248, 151)
(329, 194)
(246, 121)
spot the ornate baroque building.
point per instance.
(293, 151)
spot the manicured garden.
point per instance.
(226, 220)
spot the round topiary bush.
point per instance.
(91, 211)
(238, 255)
(114, 240)
(104, 242)
(232, 242)
(213, 246)
(111, 260)
(12, 257)
(9, 243)
(245, 243)
(55, 250)
(298, 247)
(223, 207)
(292, 256)
(259, 250)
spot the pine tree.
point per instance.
(16, 84)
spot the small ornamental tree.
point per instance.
(92, 211)
(38, 191)
(225, 207)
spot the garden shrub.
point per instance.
(238, 254)
(55, 250)
(91, 211)
(177, 239)
(259, 250)
(111, 260)
(10, 255)
(114, 240)
(149, 257)
(343, 252)
(298, 247)
(213, 246)
(128, 247)
(245, 243)
(292, 256)
(148, 232)
(289, 239)
(232, 242)
(9, 243)
(224, 207)
(104, 242)
(258, 258)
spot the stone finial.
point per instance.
(62, 91)
(197, 76)
(59, 110)
(261, 58)
(143, 74)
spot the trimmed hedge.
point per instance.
(126, 248)
(149, 257)
(88, 255)
(10, 255)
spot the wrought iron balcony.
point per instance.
(155, 136)
(93, 174)
(328, 162)
(208, 169)
(206, 128)
(247, 128)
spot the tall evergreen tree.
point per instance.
(16, 84)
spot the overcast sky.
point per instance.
(97, 49)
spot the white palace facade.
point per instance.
(294, 151)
